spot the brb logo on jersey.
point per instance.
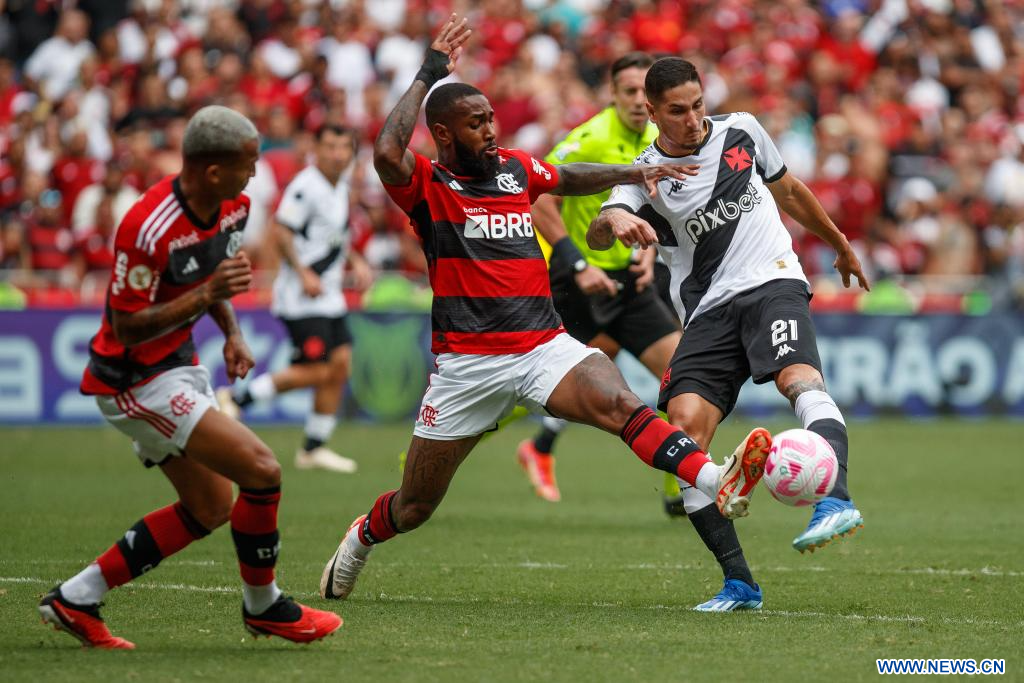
(497, 226)
(716, 215)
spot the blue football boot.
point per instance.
(832, 518)
(735, 595)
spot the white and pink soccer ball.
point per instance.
(801, 467)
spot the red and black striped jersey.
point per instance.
(161, 251)
(490, 280)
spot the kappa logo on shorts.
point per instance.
(783, 350)
(428, 416)
(182, 405)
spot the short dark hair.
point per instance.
(440, 102)
(335, 128)
(641, 60)
(668, 72)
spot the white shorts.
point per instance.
(470, 393)
(160, 415)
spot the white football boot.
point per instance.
(325, 459)
(741, 472)
(342, 570)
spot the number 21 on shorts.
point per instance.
(783, 331)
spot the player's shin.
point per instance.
(159, 534)
(257, 542)
(718, 534)
(818, 413)
(669, 449)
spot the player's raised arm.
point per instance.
(795, 199)
(615, 223)
(391, 155)
(583, 178)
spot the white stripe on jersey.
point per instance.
(153, 215)
(159, 231)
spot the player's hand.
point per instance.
(311, 286)
(238, 359)
(848, 264)
(631, 230)
(653, 173)
(593, 280)
(644, 270)
(232, 276)
(449, 41)
(362, 274)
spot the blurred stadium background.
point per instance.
(905, 117)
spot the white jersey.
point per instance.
(317, 214)
(721, 233)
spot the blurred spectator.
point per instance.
(112, 189)
(54, 64)
(50, 240)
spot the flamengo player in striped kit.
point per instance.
(498, 339)
(177, 258)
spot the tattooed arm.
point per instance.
(391, 155)
(582, 178)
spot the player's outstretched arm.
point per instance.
(233, 276)
(391, 155)
(798, 201)
(618, 224)
(579, 178)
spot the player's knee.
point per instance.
(410, 515)
(691, 421)
(264, 471)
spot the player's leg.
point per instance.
(233, 451)
(465, 398)
(536, 456)
(582, 385)
(327, 393)
(782, 346)
(699, 418)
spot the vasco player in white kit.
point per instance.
(314, 242)
(739, 291)
(498, 339)
(177, 258)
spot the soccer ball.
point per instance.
(801, 467)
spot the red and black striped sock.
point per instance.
(159, 534)
(663, 446)
(254, 531)
(379, 525)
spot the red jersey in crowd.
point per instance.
(490, 280)
(161, 251)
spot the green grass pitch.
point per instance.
(500, 585)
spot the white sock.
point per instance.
(554, 424)
(693, 498)
(262, 388)
(258, 598)
(812, 406)
(87, 587)
(320, 426)
(707, 480)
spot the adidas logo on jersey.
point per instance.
(190, 267)
(498, 226)
(706, 220)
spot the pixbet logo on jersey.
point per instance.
(706, 220)
(498, 226)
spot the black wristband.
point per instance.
(566, 251)
(435, 67)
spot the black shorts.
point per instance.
(313, 339)
(635, 320)
(754, 334)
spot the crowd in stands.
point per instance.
(905, 117)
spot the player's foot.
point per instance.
(735, 595)
(342, 570)
(81, 621)
(292, 621)
(672, 498)
(325, 459)
(540, 468)
(832, 519)
(227, 404)
(741, 472)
